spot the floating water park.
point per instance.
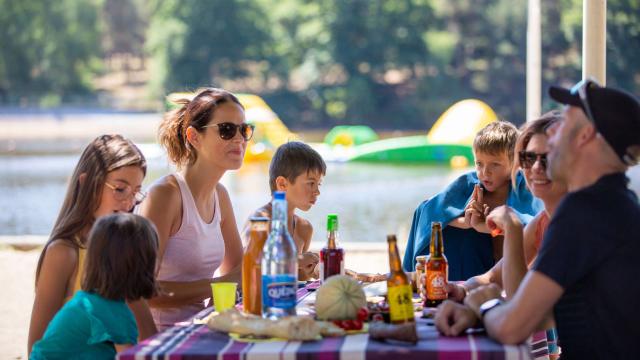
(447, 142)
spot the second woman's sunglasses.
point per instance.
(529, 158)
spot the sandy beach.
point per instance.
(17, 274)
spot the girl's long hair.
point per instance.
(103, 155)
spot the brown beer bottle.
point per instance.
(251, 266)
(437, 269)
(399, 292)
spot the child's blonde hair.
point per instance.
(499, 137)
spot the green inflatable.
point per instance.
(349, 135)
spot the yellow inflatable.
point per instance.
(460, 123)
(270, 131)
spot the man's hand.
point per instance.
(479, 295)
(307, 268)
(452, 318)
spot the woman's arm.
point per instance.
(163, 207)
(231, 268)
(59, 264)
(514, 263)
(530, 250)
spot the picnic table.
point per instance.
(195, 341)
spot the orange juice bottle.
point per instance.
(251, 266)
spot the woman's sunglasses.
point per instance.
(529, 158)
(228, 130)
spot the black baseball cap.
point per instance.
(615, 113)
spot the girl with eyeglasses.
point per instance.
(198, 235)
(106, 180)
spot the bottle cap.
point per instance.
(391, 238)
(436, 224)
(259, 219)
(332, 222)
(279, 195)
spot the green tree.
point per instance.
(49, 49)
(381, 49)
(623, 44)
(195, 43)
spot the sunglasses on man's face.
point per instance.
(529, 158)
(580, 89)
(227, 130)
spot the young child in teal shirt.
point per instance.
(97, 323)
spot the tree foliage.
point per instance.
(387, 63)
(49, 49)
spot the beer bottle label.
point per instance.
(436, 285)
(400, 304)
(279, 291)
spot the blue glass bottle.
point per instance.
(279, 265)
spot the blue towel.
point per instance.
(449, 204)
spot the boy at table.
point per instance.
(463, 205)
(298, 170)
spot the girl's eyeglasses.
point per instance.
(529, 158)
(125, 192)
(228, 130)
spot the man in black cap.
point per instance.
(587, 272)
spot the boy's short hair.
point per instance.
(291, 160)
(496, 138)
(121, 258)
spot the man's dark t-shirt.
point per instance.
(592, 250)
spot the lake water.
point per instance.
(372, 200)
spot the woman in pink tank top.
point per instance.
(199, 239)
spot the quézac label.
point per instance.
(400, 304)
(279, 291)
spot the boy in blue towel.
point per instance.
(463, 205)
